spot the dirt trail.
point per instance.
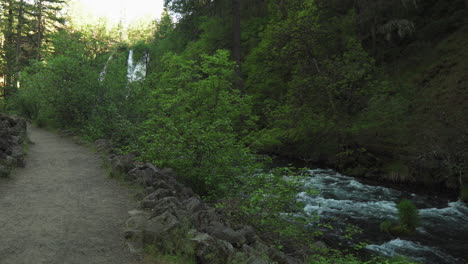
(61, 208)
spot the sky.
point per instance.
(115, 10)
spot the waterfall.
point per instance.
(137, 72)
(102, 75)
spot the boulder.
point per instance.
(103, 145)
(161, 228)
(123, 163)
(203, 219)
(18, 155)
(134, 227)
(282, 258)
(159, 194)
(250, 235)
(210, 250)
(167, 204)
(319, 245)
(167, 174)
(144, 177)
(227, 234)
(160, 184)
(4, 171)
(194, 204)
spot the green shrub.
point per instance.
(267, 201)
(195, 118)
(464, 194)
(386, 226)
(154, 256)
(408, 215)
(340, 257)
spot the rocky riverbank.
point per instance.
(12, 138)
(176, 221)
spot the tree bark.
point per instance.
(39, 30)
(19, 32)
(9, 51)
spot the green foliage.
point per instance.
(338, 257)
(195, 114)
(464, 194)
(60, 90)
(408, 215)
(154, 256)
(386, 226)
(408, 220)
(267, 201)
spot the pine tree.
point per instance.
(48, 19)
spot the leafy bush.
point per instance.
(464, 194)
(386, 226)
(408, 215)
(60, 91)
(267, 201)
(195, 115)
(338, 257)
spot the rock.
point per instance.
(150, 189)
(261, 248)
(186, 193)
(227, 234)
(209, 250)
(144, 177)
(103, 145)
(166, 174)
(123, 163)
(160, 229)
(282, 258)
(250, 235)
(194, 204)
(137, 220)
(320, 245)
(4, 171)
(12, 135)
(175, 209)
(9, 161)
(167, 204)
(147, 204)
(133, 213)
(18, 154)
(16, 140)
(151, 167)
(134, 230)
(204, 218)
(219, 230)
(161, 193)
(160, 184)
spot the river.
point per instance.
(442, 237)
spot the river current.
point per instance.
(442, 237)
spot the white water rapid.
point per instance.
(442, 237)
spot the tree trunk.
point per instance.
(9, 51)
(39, 30)
(19, 32)
(466, 4)
(236, 31)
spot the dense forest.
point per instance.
(374, 89)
